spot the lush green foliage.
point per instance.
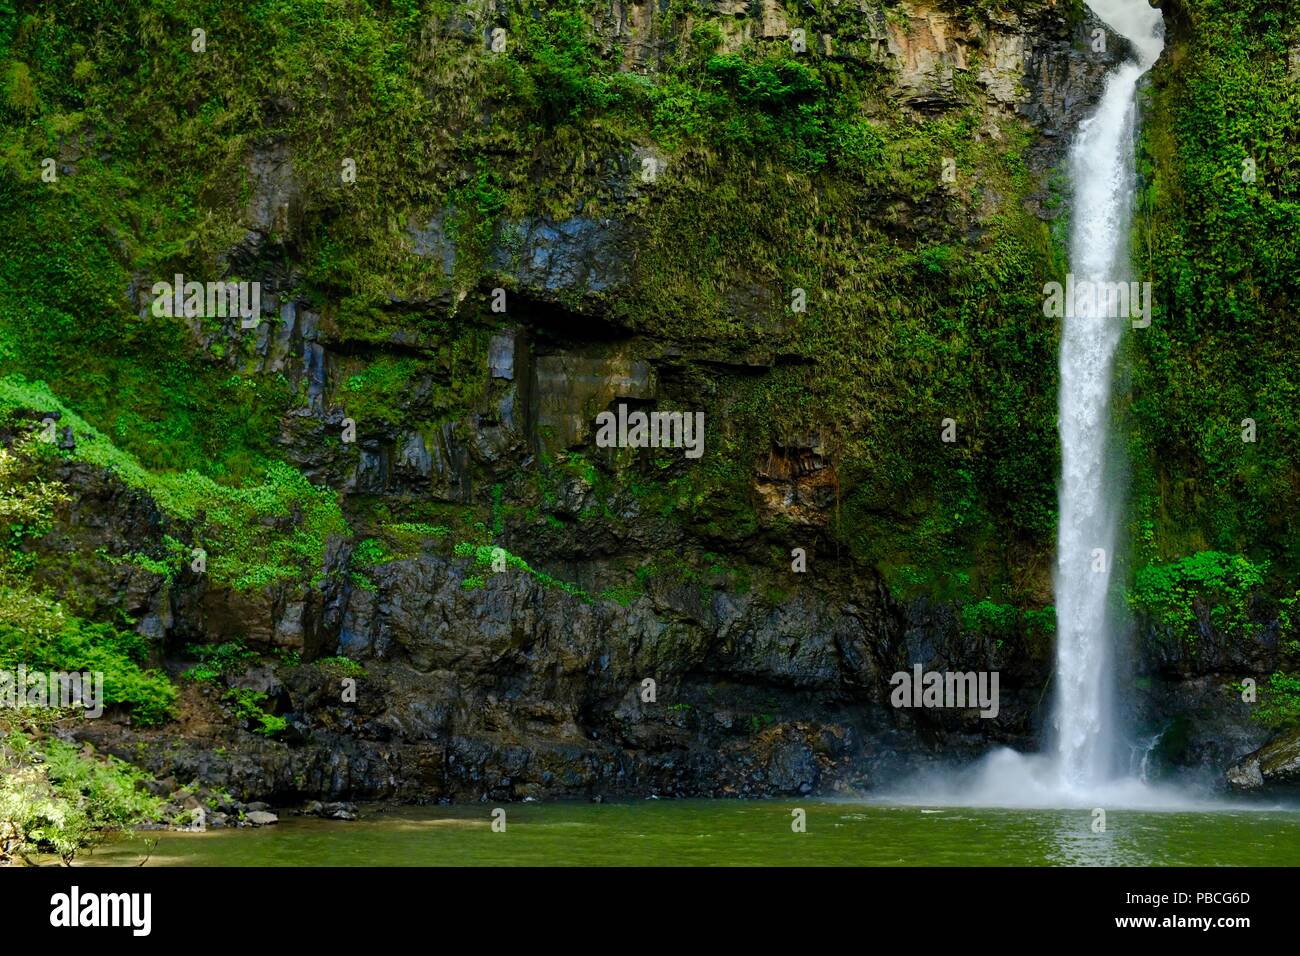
(252, 535)
(1279, 704)
(1206, 589)
(218, 660)
(56, 799)
(38, 632)
(781, 172)
(1223, 252)
(496, 559)
(250, 706)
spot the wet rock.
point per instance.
(1210, 649)
(501, 356)
(792, 767)
(414, 457)
(550, 256)
(1276, 765)
(260, 818)
(571, 389)
(275, 206)
(431, 241)
(260, 680)
(797, 482)
(339, 811)
(1195, 723)
(1245, 775)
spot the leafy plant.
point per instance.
(1279, 704)
(56, 798)
(249, 706)
(218, 660)
(1208, 587)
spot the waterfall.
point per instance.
(1103, 180)
(1081, 768)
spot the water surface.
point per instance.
(735, 833)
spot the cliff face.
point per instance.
(1213, 452)
(827, 242)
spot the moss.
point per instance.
(253, 535)
(782, 172)
(341, 667)
(1221, 253)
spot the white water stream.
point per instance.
(1103, 179)
(1082, 767)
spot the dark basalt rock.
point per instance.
(516, 689)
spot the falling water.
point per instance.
(1102, 175)
(1079, 770)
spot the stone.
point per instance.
(1245, 775)
(1276, 765)
(570, 390)
(501, 356)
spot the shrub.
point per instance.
(249, 706)
(218, 660)
(41, 634)
(55, 798)
(1217, 586)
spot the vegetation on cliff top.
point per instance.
(252, 535)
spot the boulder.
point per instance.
(1276, 765)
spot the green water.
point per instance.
(733, 833)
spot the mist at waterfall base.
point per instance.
(1086, 763)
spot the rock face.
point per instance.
(518, 689)
(499, 684)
